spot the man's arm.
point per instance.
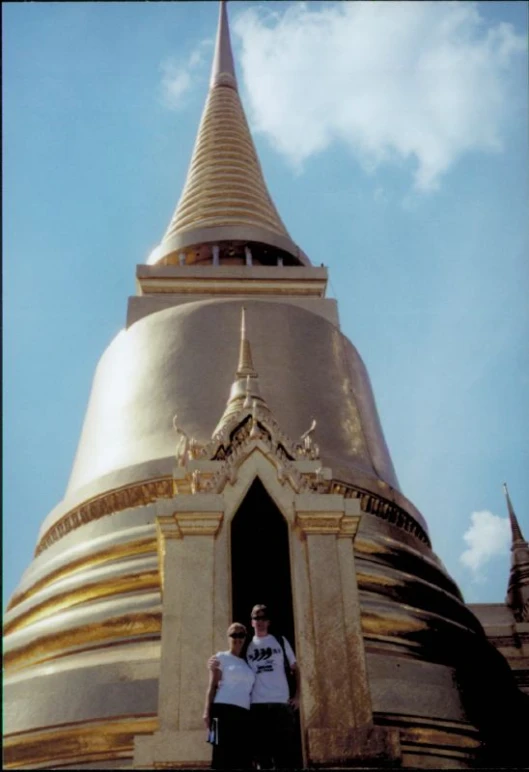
(294, 701)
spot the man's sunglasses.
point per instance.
(237, 635)
(260, 619)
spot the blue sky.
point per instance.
(393, 137)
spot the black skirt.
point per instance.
(230, 737)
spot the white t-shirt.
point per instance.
(265, 657)
(236, 680)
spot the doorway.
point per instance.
(260, 570)
(260, 561)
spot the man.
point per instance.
(272, 708)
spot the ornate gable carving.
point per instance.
(212, 465)
(246, 425)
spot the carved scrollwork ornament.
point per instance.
(182, 443)
(307, 448)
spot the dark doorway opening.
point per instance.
(260, 561)
(260, 571)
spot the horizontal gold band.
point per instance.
(129, 627)
(116, 552)
(87, 593)
(116, 500)
(95, 741)
(242, 286)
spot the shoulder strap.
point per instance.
(281, 640)
(289, 675)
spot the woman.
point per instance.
(227, 708)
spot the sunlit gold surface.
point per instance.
(48, 646)
(96, 742)
(307, 373)
(90, 591)
(144, 651)
(118, 552)
(392, 623)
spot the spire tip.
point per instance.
(245, 354)
(223, 71)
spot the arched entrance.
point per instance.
(260, 561)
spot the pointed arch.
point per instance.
(260, 560)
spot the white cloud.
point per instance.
(488, 536)
(178, 79)
(176, 83)
(420, 81)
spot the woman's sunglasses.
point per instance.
(237, 635)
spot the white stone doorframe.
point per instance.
(195, 564)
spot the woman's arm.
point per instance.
(214, 679)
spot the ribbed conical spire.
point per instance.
(245, 391)
(225, 198)
(518, 588)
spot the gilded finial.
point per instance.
(245, 366)
(245, 390)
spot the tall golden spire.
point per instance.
(225, 198)
(518, 589)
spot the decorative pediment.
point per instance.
(208, 468)
(247, 425)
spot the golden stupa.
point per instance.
(232, 418)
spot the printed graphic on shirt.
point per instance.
(258, 655)
(265, 657)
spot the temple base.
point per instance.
(368, 746)
(172, 750)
